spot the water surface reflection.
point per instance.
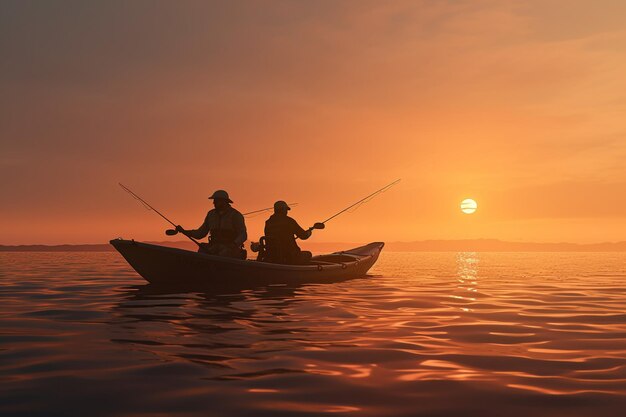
(429, 334)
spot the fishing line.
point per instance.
(362, 201)
(149, 207)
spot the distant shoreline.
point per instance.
(468, 245)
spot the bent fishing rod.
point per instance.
(322, 225)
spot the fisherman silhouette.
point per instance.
(280, 237)
(226, 227)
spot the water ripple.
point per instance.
(427, 334)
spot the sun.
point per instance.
(468, 206)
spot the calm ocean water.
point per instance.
(428, 334)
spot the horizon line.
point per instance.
(488, 244)
(347, 241)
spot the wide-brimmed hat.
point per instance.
(280, 204)
(220, 195)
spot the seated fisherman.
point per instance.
(226, 227)
(280, 238)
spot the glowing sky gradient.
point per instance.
(518, 105)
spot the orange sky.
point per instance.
(519, 105)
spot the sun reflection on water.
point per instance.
(427, 334)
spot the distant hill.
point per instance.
(466, 245)
(495, 245)
(95, 247)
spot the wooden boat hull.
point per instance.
(172, 266)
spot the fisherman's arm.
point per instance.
(300, 232)
(198, 233)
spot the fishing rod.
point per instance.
(266, 209)
(322, 225)
(363, 200)
(149, 207)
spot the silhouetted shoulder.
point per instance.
(295, 227)
(235, 212)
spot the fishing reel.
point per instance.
(259, 248)
(173, 232)
(318, 226)
(256, 246)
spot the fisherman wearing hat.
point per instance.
(226, 227)
(280, 237)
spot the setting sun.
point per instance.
(468, 206)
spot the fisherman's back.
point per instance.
(225, 226)
(280, 235)
(282, 229)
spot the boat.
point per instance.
(172, 266)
